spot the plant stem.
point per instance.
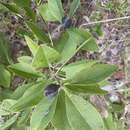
(105, 21)
(72, 55)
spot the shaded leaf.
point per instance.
(30, 13)
(86, 88)
(23, 3)
(41, 35)
(4, 50)
(5, 93)
(73, 7)
(5, 77)
(11, 6)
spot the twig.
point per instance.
(105, 21)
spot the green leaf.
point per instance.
(73, 7)
(20, 90)
(41, 35)
(5, 77)
(52, 11)
(5, 107)
(73, 38)
(25, 59)
(4, 50)
(55, 7)
(24, 117)
(30, 13)
(43, 113)
(26, 5)
(82, 115)
(93, 74)
(60, 113)
(51, 54)
(24, 70)
(30, 98)
(75, 118)
(39, 59)
(32, 45)
(67, 44)
(73, 68)
(5, 93)
(45, 13)
(44, 56)
(86, 88)
(97, 29)
(110, 123)
(9, 122)
(91, 44)
(23, 3)
(12, 7)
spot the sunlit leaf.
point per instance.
(93, 74)
(43, 113)
(52, 11)
(82, 115)
(31, 97)
(9, 122)
(24, 70)
(32, 45)
(45, 55)
(60, 113)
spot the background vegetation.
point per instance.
(64, 65)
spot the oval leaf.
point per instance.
(86, 88)
(31, 97)
(75, 118)
(52, 11)
(43, 114)
(60, 113)
(88, 117)
(93, 74)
